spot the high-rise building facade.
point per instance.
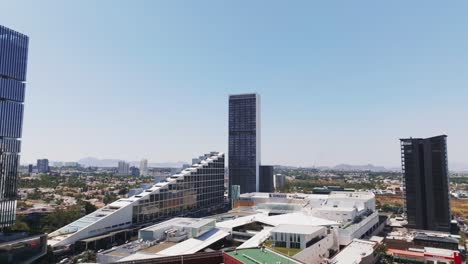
(144, 167)
(244, 142)
(123, 168)
(43, 165)
(266, 179)
(194, 192)
(13, 61)
(134, 171)
(280, 181)
(425, 173)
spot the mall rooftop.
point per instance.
(259, 255)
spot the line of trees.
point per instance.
(46, 223)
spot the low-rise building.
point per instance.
(357, 252)
(426, 255)
(175, 237)
(403, 238)
(280, 181)
(353, 212)
(177, 228)
(21, 247)
(296, 236)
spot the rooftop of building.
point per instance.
(258, 255)
(166, 248)
(233, 214)
(409, 234)
(181, 221)
(337, 208)
(12, 30)
(298, 196)
(436, 238)
(421, 253)
(350, 207)
(257, 239)
(354, 252)
(434, 137)
(440, 252)
(6, 237)
(297, 229)
(334, 195)
(408, 253)
(297, 218)
(243, 96)
(297, 222)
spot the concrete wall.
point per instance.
(317, 253)
(154, 234)
(347, 235)
(332, 214)
(304, 238)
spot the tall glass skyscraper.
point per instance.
(13, 60)
(244, 142)
(425, 173)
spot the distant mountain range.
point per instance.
(95, 162)
(459, 167)
(345, 167)
(368, 167)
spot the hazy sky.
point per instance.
(340, 81)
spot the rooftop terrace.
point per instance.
(257, 255)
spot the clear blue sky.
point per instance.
(341, 81)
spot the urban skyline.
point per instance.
(152, 83)
(324, 103)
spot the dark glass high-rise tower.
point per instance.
(13, 60)
(244, 142)
(425, 173)
(266, 178)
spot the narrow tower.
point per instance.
(13, 60)
(244, 142)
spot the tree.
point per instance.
(59, 201)
(20, 224)
(381, 249)
(35, 195)
(462, 241)
(381, 253)
(109, 198)
(47, 199)
(386, 208)
(89, 208)
(60, 218)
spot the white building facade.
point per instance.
(144, 167)
(195, 191)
